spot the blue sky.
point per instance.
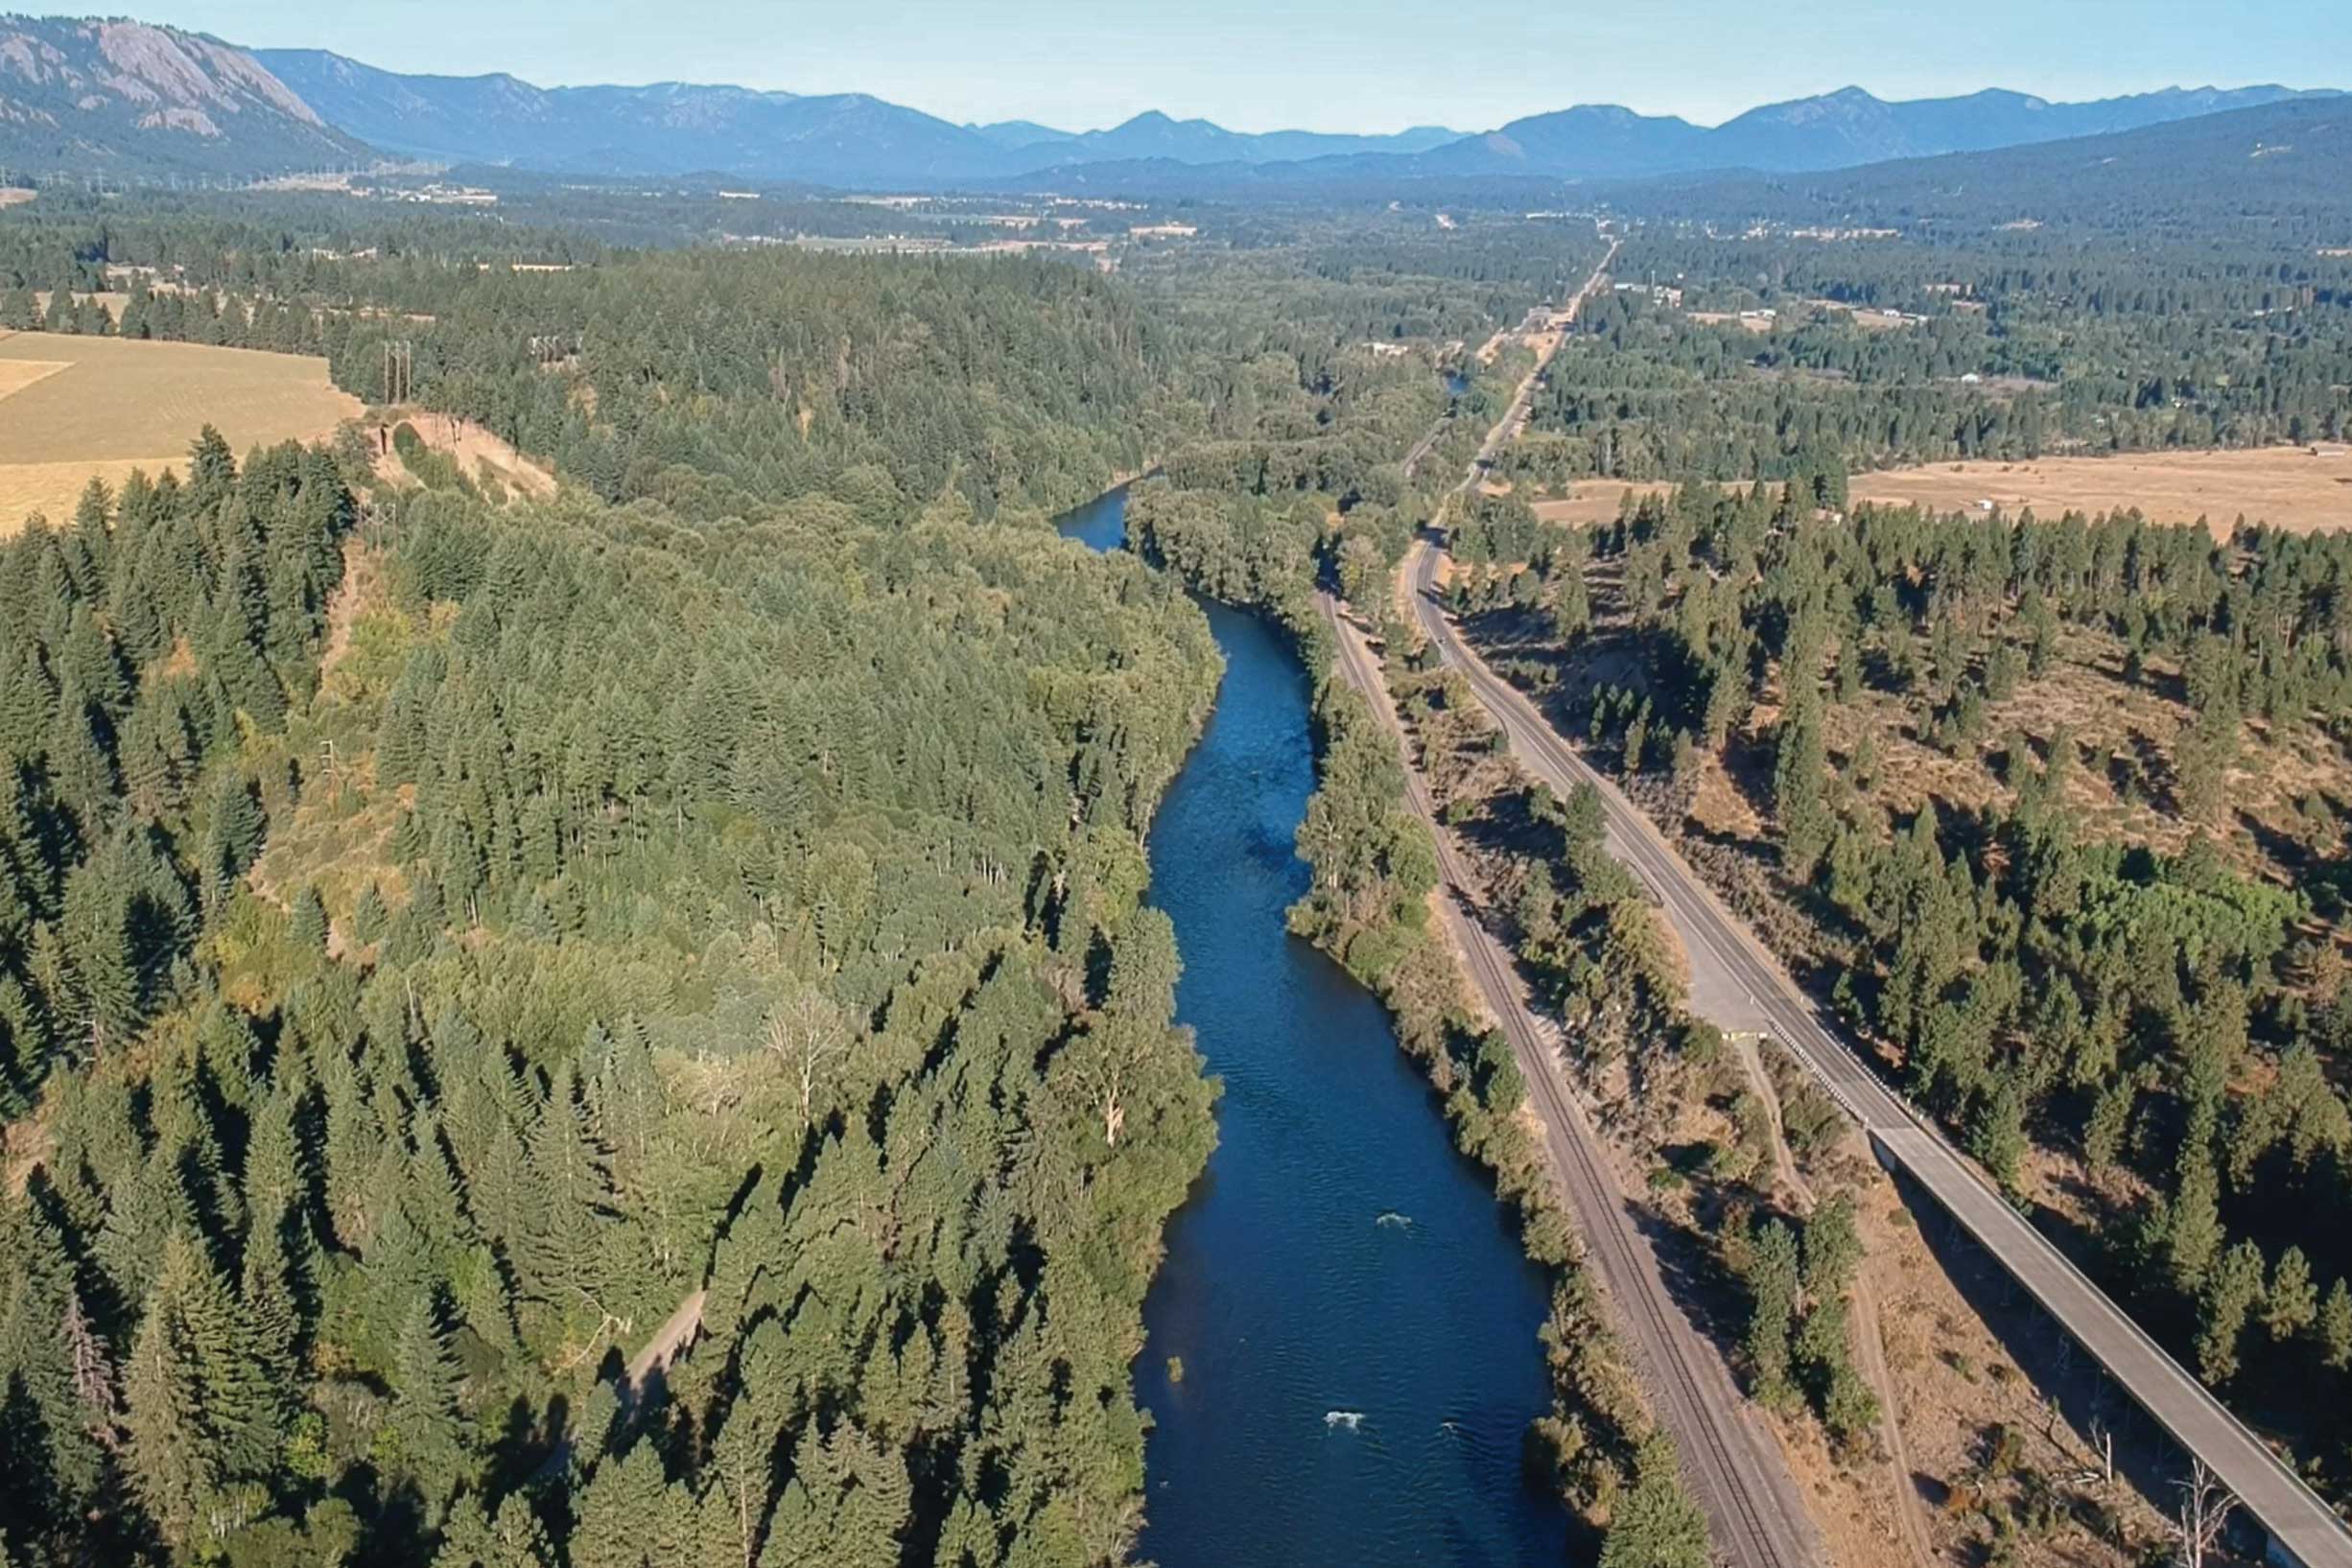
(1321, 64)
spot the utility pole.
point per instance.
(399, 370)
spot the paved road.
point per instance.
(1515, 417)
(1753, 1510)
(1736, 963)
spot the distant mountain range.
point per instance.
(852, 139)
(1835, 131)
(1153, 135)
(668, 129)
(2277, 168)
(122, 98)
(676, 129)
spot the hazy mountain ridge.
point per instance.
(854, 139)
(1831, 130)
(2280, 163)
(673, 128)
(124, 98)
(664, 129)
(1153, 135)
(87, 96)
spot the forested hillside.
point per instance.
(710, 379)
(579, 1033)
(2047, 811)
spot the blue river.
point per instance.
(1355, 1320)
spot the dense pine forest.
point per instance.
(2039, 820)
(452, 957)
(1757, 358)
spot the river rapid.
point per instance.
(1355, 1320)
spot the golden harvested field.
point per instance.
(2286, 487)
(72, 409)
(1595, 500)
(15, 375)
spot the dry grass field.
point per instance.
(74, 408)
(1593, 502)
(2301, 488)
(2287, 486)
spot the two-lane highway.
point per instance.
(1754, 1512)
(2299, 1522)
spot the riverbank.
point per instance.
(1367, 905)
(1356, 1329)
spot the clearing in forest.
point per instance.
(2300, 488)
(73, 408)
(473, 451)
(1591, 501)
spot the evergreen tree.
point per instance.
(308, 927)
(2232, 1293)
(1798, 771)
(202, 1416)
(2335, 1327)
(1773, 1278)
(425, 1423)
(1655, 1525)
(2291, 1307)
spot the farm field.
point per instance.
(2287, 486)
(73, 408)
(1593, 501)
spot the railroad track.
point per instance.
(1754, 1512)
(2304, 1529)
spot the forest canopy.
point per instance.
(593, 1030)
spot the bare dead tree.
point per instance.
(2103, 1443)
(807, 1034)
(92, 1371)
(2205, 1508)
